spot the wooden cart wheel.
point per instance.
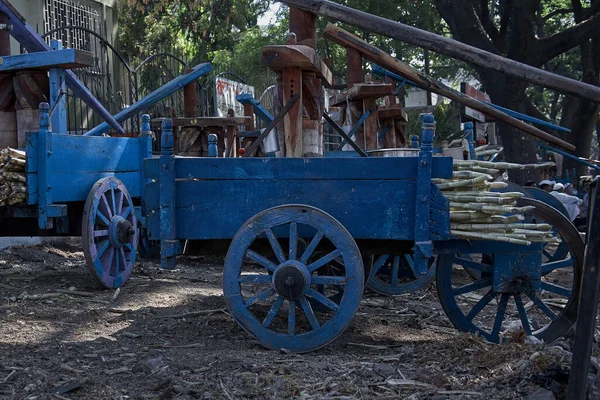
(270, 292)
(544, 299)
(109, 233)
(392, 275)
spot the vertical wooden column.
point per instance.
(371, 123)
(4, 36)
(190, 98)
(292, 122)
(304, 25)
(249, 124)
(8, 117)
(354, 61)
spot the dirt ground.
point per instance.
(167, 335)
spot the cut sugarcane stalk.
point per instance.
(484, 236)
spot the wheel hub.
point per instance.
(120, 231)
(291, 279)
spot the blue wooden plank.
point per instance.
(44, 164)
(69, 187)
(369, 209)
(67, 58)
(83, 154)
(154, 97)
(300, 168)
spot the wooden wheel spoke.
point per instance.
(123, 259)
(466, 263)
(411, 264)
(481, 304)
(328, 280)
(500, 315)
(273, 312)
(523, 314)
(263, 295)
(311, 247)
(101, 233)
(255, 278)
(322, 299)
(117, 263)
(106, 205)
(379, 263)
(128, 246)
(126, 213)
(103, 248)
(292, 318)
(257, 258)
(113, 202)
(120, 203)
(557, 289)
(542, 306)
(293, 240)
(471, 287)
(103, 217)
(554, 265)
(324, 260)
(310, 315)
(275, 245)
(395, 268)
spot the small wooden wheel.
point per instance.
(109, 233)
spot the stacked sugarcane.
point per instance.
(478, 213)
(13, 180)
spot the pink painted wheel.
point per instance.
(109, 233)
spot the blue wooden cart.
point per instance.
(298, 228)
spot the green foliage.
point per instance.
(447, 123)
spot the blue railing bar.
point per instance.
(527, 118)
(565, 154)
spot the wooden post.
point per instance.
(292, 122)
(371, 123)
(355, 75)
(4, 36)
(190, 97)
(304, 25)
(249, 124)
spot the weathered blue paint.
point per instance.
(423, 245)
(325, 327)
(67, 58)
(154, 97)
(44, 163)
(213, 145)
(168, 231)
(27, 36)
(259, 110)
(58, 92)
(342, 168)
(376, 69)
(414, 142)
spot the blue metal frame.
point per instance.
(259, 110)
(568, 155)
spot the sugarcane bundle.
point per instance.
(477, 213)
(13, 179)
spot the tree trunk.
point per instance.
(581, 117)
(519, 147)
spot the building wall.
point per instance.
(33, 12)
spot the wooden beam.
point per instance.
(280, 57)
(395, 112)
(304, 25)
(205, 122)
(292, 122)
(362, 91)
(428, 83)
(250, 151)
(447, 46)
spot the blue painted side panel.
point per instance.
(215, 209)
(300, 168)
